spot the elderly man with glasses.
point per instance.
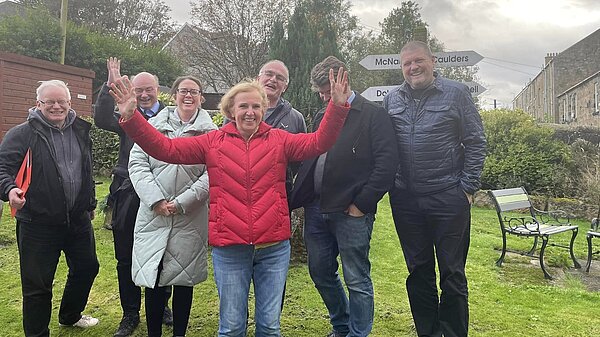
(54, 210)
(122, 195)
(274, 77)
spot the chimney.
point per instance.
(549, 57)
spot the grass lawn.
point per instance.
(514, 300)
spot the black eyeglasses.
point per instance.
(49, 103)
(193, 92)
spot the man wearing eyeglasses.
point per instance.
(54, 211)
(274, 77)
(124, 199)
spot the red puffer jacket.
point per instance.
(248, 203)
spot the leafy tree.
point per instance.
(311, 34)
(229, 39)
(522, 153)
(37, 34)
(145, 21)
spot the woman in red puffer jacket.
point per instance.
(249, 225)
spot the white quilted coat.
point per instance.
(180, 240)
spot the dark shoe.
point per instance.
(168, 316)
(334, 333)
(127, 325)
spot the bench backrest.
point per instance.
(511, 199)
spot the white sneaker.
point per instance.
(84, 322)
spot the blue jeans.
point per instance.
(234, 268)
(326, 236)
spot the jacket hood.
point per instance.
(35, 113)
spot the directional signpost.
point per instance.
(457, 58)
(376, 94)
(463, 58)
(475, 88)
(443, 59)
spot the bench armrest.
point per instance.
(528, 223)
(554, 217)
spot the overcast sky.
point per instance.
(513, 36)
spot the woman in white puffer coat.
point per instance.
(170, 237)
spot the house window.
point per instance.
(574, 114)
(564, 110)
(596, 108)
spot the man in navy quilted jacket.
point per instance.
(441, 147)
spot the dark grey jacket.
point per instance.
(440, 138)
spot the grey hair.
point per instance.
(287, 80)
(319, 75)
(52, 83)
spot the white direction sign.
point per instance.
(475, 88)
(376, 94)
(457, 58)
(381, 62)
(443, 59)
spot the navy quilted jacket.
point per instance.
(440, 138)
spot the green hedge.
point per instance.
(523, 153)
(105, 149)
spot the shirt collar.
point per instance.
(351, 98)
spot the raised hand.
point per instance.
(113, 65)
(340, 91)
(122, 92)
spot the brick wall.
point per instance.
(19, 78)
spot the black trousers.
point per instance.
(435, 227)
(126, 204)
(155, 301)
(40, 246)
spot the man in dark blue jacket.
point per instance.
(126, 202)
(54, 214)
(441, 147)
(339, 191)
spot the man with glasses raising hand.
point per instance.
(125, 200)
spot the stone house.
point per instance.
(563, 75)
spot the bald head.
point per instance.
(146, 89)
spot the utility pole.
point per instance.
(63, 29)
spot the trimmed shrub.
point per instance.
(522, 153)
(105, 149)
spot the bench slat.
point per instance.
(509, 191)
(509, 206)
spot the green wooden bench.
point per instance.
(594, 232)
(533, 223)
